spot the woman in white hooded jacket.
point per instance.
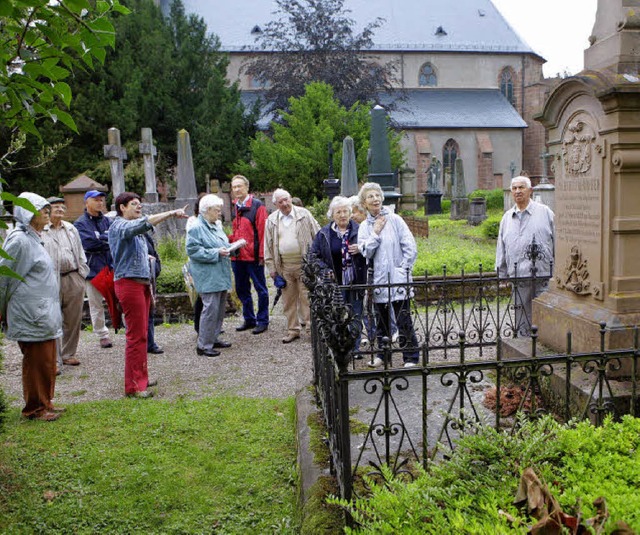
(386, 242)
(31, 307)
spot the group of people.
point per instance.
(57, 263)
(54, 263)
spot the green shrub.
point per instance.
(319, 211)
(495, 197)
(171, 279)
(446, 205)
(491, 227)
(481, 476)
(172, 248)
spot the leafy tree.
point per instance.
(296, 155)
(42, 42)
(165, 73)
(314, 41)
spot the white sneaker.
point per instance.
(410, 364)
(377, 362)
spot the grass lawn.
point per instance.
(218, 465)
(454, 244)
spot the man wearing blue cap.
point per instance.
(93, 227)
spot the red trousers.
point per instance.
(38, 376)
(135, 299)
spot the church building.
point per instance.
(472, 84)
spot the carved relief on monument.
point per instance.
(575, 275)
(577, 148)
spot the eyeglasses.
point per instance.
(135, 203)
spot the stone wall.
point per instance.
(417, 225)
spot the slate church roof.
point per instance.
(456, 108)
(411, 25)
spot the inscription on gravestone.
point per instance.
(579, 199)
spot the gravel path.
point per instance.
(255, 366)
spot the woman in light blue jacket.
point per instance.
(31, 307)
(210, 267)
(386, 242)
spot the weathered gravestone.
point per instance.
(116, 154)
(148, 151)
(349, 171)
(187, 192)
(460, 201)
(593, 123)
(380, 156)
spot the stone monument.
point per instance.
(187, 192)
(460, 201)
(116, 154)
(433, 196)
(379, 157)
(148, 151)
(349, 172)
(593, 124)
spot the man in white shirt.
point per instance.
(527, 221)
(288, 234)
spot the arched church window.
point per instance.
(428, 77)
(506, 84)
(450, 152)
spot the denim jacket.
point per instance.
(129, 248)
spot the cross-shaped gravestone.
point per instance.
(545, 157)
(512, 168)
(116, 154)
(148, 151)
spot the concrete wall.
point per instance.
(454, 70)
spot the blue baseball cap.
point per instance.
(94, 193)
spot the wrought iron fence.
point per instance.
(403, 416)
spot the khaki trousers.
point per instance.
(294, 298)
(96, 309)
(72, 287)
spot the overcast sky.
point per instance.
(558, 30)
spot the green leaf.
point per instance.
(101, 25)
(64, 91)
(119, 8)
(64, 118)
(5, 255)
(77, 5)
(7, 272)
(6, 9)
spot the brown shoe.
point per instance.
(106, 343)
(45, 416)
(71, 362)
(290, 338)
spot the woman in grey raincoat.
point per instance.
(31, 307)
(387, 243)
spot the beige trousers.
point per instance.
(294, 298)
(72, 287)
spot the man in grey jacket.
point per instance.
(525, 222)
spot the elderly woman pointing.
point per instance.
(31, 307)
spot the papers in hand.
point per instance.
(237, 245)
